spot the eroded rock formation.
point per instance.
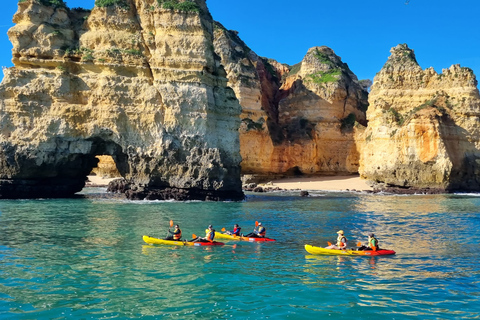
(296, 119)
(135, 81)
(423, 127)
(106, 168)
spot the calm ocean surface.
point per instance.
(85, 259)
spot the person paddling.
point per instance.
(260, 233)
(176, 234)
(372, 243)
(209, 235)
(236, 231)
(341, 242)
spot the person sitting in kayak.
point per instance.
(209, 235)
(260, 233)
(341, 242)
(372, 243)
(176, 234)
(236, 230)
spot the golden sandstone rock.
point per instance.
(423, 127)
(146, 84)
(295, 120)
(138, 82)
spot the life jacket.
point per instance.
(210, 235)
(371, 243)
(262, 231)
(236, 231)
(339, 241)
(177, 234)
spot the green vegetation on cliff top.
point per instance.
(187, 5)
(325, 76)
(110, 3)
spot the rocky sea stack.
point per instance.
(297, 119)
(138, 80)
(422, 132)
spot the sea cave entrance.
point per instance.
(105, 171)
(108, 162)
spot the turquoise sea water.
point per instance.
(85, 259)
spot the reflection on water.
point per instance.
(85, 258)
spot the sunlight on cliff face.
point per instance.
(106, 168)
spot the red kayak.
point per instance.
(241, 238)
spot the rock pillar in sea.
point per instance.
(422, 127)
(137, 80)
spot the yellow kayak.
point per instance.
(240, 238)
(152, 240)
(323, 251)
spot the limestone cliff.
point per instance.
(138, 81)
(423, 127)
(296, 119)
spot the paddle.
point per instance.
(329, 244)
(171, 225)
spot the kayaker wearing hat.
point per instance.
(341, 242)
(209, 235)
(260, 233)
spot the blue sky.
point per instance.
(442, 32)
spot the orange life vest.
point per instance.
(177, 234)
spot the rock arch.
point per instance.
(104, 83)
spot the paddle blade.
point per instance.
(256, 223)
(223, 229)
(374, 249)
(329, 243)
(171, 223)
(194, 236)
(359, 244)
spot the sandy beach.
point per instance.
(327, 183)
(97, 181)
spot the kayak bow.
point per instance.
(152, 240)
(323, 251)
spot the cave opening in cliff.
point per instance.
(109, 162)
(106, 168)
